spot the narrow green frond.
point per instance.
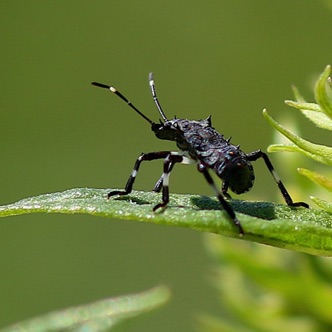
(317, 178)
(322, 151)
(313, 112)
(297, 94)
(321, 120)
(327, 206)
(294, 148)
(323, 93)
(283, 147)
(303, 106)
(321, 115)
(98, 316)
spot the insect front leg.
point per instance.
(203, 169)
(159, 184)
(170, 160)
(260, 154)
(143, 157)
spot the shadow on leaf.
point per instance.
(262, 210)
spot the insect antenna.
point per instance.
(112, 89)
(155, 98)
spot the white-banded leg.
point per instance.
(253, 156)
(203, 169)
(170, 160)
(159, 184)
(143, 157)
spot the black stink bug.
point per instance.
(201, 144)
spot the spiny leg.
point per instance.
(221, 199)
(143, 157)
(253, 156)
(171, 159)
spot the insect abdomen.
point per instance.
(235, 170)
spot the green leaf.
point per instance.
(323, 93)
(98, 316)
(321, 180)
(321, 120)
(267, 289)
(299, 229)
(322, 151)
(297, 94)
(303, 105)
(294, 148)
(327, 206)
(313, 112)
(284, 147)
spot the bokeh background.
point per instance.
(229, 59)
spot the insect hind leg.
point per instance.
(253, 156)
(224, 189)
(143, 157)
(229, 210)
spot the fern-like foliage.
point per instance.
(320, 113)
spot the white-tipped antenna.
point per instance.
(112, 89)
(155, 98)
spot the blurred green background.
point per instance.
(229, 59)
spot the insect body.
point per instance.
(201, 144)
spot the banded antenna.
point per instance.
(154, 95)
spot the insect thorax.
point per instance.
(204, 143)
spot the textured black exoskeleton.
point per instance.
(201, 144)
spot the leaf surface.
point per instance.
(300, 229)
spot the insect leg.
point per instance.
(159, 183)
(170, 160)
(202, 168)
(260, 154)
(143, 157)
(224, 189)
